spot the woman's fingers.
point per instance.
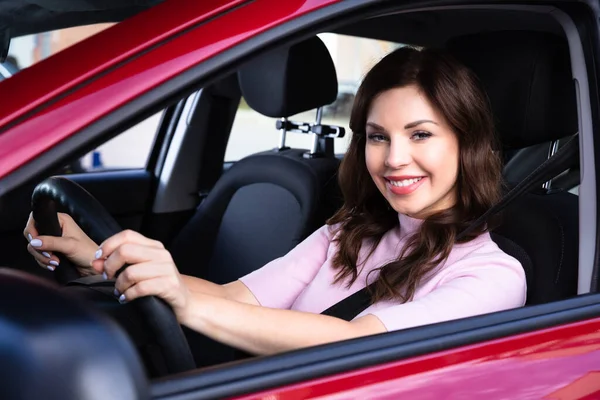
(129, 245)
(149, 287)
(137, 273)
(150, 270)
(37, 243)
(132, 253)
(30, 232)
(64, 245)
(44, 258)
(126, 236)
(167, 288)
(44, 261)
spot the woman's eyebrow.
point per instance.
(419, 122)
(375, 126)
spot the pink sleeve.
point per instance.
(279, 283)
(477, 285)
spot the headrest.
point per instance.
(290, 80)
(527, 76)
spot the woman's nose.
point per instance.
(399, 155)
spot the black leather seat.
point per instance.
(266, 203)
(524, 161)
(528, 79)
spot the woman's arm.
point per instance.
(262, 330)
(257, 329)
(277, 284)
(235, 291)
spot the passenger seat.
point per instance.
(527, 76)
(266, 203)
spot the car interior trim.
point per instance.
(177, 194)
(587, 186)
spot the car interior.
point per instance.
(222, 220)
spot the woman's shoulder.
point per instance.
(483, 253)
(482, 244)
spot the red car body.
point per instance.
(106, 80)
(38, 110)
(558, 363)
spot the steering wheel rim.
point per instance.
(59, 194)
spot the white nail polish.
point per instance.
(55, 263)
(98, 254)
(122, 299)
(50, 267)
(116, 293)
(36, 242)
(104, 276)
(46, 254)
(29, 237)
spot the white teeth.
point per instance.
(405, 182)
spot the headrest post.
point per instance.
(319, 116)
(551, 151)
(315, 145)
(314, 152)
(283, 135)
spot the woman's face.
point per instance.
(411, 153)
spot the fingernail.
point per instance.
(55, 263)
(36, 242)
(116, 293)
(51, 267)
(104, 276)
(98, 254)
(29, 237)
(122, 299)
(46, 254)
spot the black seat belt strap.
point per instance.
(348, 308)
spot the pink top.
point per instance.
(476, 278)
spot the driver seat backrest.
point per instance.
(266, 203)
(527, 77)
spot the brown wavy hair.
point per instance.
(456, 94)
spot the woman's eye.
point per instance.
(376, 137)
(420, 135)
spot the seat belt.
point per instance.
(348, 308)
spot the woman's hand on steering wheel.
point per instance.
(73, 243)
(150, 270)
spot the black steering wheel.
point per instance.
(148, 319)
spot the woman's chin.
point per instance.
(409, 211)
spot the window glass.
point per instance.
(352, 57)
(129, 150)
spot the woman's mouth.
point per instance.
(403, 185)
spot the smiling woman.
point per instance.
(423, 127)
(422, 154)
